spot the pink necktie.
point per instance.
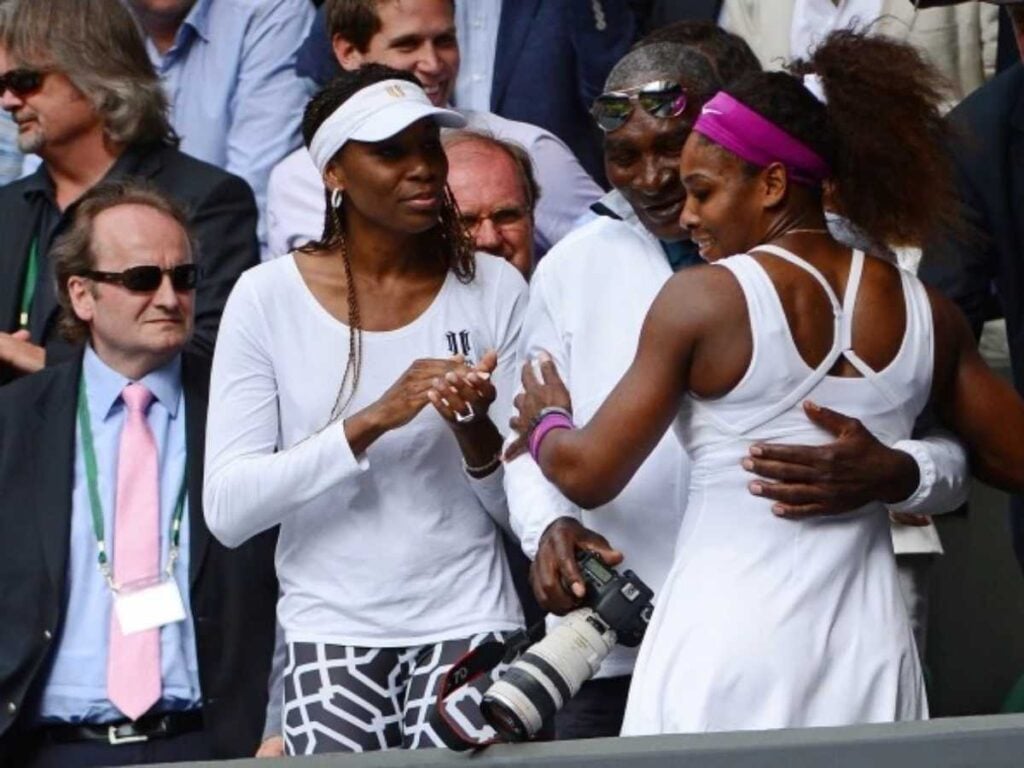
(133, 661)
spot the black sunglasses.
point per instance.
(21, 82)
(660, 98)
(147, 279)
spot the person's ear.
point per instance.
(347, 54)
(82, 297)
(774, 183)
(334, 177)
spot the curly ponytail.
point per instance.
(882, 131)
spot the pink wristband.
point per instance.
(550, 422)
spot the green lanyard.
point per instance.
(28, 287)
(96, 506)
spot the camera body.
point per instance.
(622, 601)
(617, 608)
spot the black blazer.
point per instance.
(222, 212)
(654, 14)
(552, 59)
(233, 592)
(989, 160)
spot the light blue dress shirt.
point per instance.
(476, 24)
(10, 158)
(76, 689)
(236, 99)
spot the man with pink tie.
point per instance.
(132, 636)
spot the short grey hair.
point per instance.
(515, 152)
(97, 45)
(665, 61)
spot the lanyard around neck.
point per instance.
(28, 286)
(96, 505)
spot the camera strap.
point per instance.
(472, 665)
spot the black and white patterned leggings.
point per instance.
(340, 698)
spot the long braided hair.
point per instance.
(448, 241)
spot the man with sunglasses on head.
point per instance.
(588, 300)
(75, 77)
(133, 636)
(419, 36)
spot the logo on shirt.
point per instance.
(395, 91)
(459, 344)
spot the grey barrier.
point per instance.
(966, 742)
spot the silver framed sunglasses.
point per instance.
(658, 98)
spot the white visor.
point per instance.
(375, 113)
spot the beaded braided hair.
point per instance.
(448, 241)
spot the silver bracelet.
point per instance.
(545, 411)
(484, 469)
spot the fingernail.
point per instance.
(483, 375)
(436, 383)
(756, 488)
(748, 464)
(812, 405)
(451, 376)
(756, 450)
(778, 510)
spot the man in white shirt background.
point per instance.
(419, 36)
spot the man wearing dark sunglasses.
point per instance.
(101, 462)
(92, 115)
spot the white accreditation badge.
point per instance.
(148, 604)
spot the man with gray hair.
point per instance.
(496, 191)
(75, 77)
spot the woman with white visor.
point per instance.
(389, 557)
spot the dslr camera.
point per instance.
(617, 609)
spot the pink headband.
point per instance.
(756, 139)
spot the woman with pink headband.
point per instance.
(769, 622)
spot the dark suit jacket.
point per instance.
(989, 159)
(654, 14)
(552, 61)
(233, 592)
(222, 212)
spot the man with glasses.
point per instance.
(494, 186)
(588, 300)
(133, 636)
(75, 77)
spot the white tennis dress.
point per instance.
(772, 623)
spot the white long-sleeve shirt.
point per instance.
(296, 203)
(389, 549)
(588, 300)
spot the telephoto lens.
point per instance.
(548, 675)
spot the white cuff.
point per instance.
(490, 492)
(926, 471)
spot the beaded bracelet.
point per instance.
(483, 470)
(548, 422)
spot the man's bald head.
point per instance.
(494, 186)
